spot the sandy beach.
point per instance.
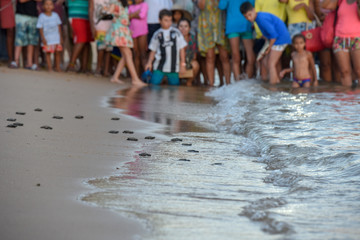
(43, 171)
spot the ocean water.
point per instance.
(264, 163)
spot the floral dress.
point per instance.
(119, 34)
(211, 30)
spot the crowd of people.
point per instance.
(184, 41)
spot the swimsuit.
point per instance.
(302, 82)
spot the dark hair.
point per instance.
(184, 20)
(124, 3)
(246, 7)
(165, 12)
(298, 36)
(44, 1)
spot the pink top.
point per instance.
(348, 22)
(138, 26)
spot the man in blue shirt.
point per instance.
(275, 30)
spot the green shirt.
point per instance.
(78, 9)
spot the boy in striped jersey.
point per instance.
(168, 49)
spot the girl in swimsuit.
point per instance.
(304, 66)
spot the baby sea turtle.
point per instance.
(193, 151)
(217, 164)
(38, 110)
(20, 113)
(46, 127)
(128, 132)
(187, 144)
(176, 140)
(113, 132)
(150, 137)
(132, 139)
(18, 124)
(11, 126)
(145, 155)
(184, 160)
(11, 119)
(57, 117)
(115, 119)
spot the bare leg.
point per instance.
(36, 55)
(100, 59)
(58, 57)
(295, 85)
(29, 55)
(119, 68)
(10, 43)
(137, 56)
(344, 63)
(224, 57)
(17, 54)
(126, 53)
(250, 57)
(84, 58)
(107, 63)
(274, 57)
(202, 62)
(210, 65)
(195, 69)
(219, 67)
(48, 61)
(355, 56)
(75, 54)
(236, 57)
(143, 50)
(264, 73)
(325, 65)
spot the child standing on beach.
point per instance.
(49, 25)
(139, 29)
(26, 34)
(167, 48)
(119, 35)
(99, 28)
(237, 28)
(304, 66)
(274, 29)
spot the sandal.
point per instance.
(13, 65)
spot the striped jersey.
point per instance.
(167, 43)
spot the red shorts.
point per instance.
(7, 15)
(52, 48)
(81, 30)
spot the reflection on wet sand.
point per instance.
(164, 105)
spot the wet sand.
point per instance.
(43, 171)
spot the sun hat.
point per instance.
(178, 7)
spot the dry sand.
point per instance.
(59, 160)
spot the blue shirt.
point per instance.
(273, 27)
(235, 21)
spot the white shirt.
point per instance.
(50, 26)
(167, 45)
(155, 6)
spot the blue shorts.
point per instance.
(158, 76)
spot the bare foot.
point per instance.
(138, 82)
(115, 80)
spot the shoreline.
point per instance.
(44, 172)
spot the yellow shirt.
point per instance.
(270, 6)
(297, 16)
